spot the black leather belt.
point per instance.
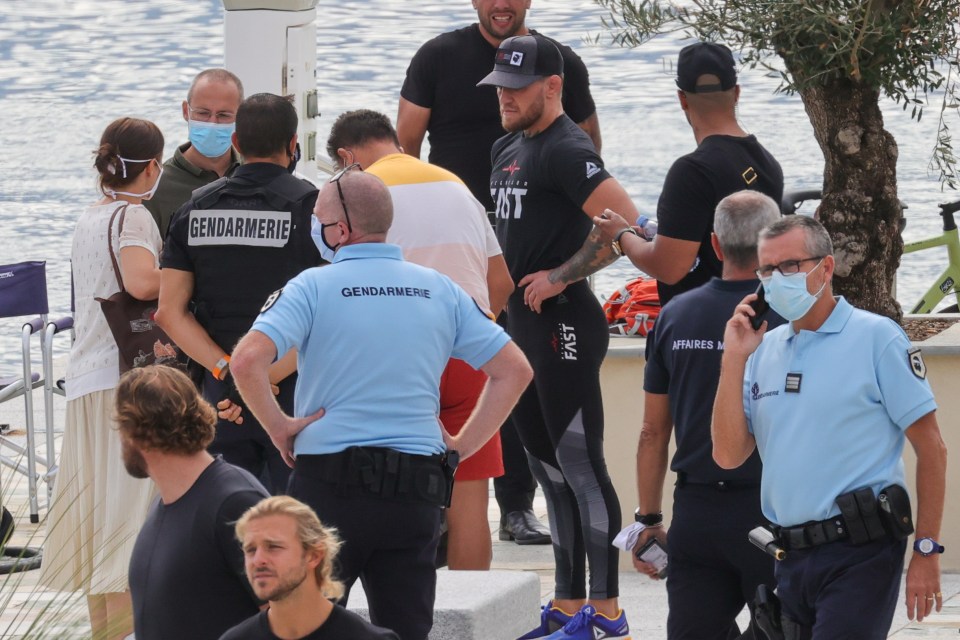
(684, 480)
(812, 534)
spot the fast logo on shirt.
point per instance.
(218, 227)
(564, 341)
(508, 196)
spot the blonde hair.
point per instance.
(311, 532)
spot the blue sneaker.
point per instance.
(551, 619)
(587, 624)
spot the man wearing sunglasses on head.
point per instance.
(229, 246)
(210, 112)
(374, 334)
(829, 400)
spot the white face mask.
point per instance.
(146, 195)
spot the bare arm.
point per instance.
(923, 574)
(139, 272)
(595, 254)
(250, 369)
(592, 128)
(412, 122)
(509, 374)
(652, 451)
(499, 283)
(173, 316)
(732, 441)
(664, 258)
(652, 469)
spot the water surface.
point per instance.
(68, 68)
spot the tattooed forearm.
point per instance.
(594, 255)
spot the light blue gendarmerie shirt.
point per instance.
(861, 385)
(373, 335)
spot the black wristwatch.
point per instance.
(648, 519)
(617, 249)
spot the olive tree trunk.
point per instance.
(859, 208)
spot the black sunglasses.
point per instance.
(335, 179)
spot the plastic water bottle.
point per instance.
(648, 226)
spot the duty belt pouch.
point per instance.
(869, 511)
(431, 484)
(861, 516)
(895, 511)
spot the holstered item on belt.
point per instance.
(895, 511)
(766, 613)
(861, 515)
(449, 464)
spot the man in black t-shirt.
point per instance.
(289, 557)
(549, 182)
(727, 159)
(186, 571)
(440, 96)
(711, 575)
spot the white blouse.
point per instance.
(94, 358)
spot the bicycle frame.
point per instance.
(946, 282)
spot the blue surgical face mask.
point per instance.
(209, 138)
(788, 295)
(316, 233)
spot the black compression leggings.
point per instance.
(560, 422)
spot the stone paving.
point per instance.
(23, 604)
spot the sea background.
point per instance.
(68, 68)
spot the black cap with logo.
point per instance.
(706, 58)
(522, 60)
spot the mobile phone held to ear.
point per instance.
(653, 552)
(760, 308)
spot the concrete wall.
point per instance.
(622, 381)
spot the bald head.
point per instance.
(368, 203)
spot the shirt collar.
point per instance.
(368, 250)
(834, 323)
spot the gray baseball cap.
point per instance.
(522, 60)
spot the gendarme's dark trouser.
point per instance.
(389, 544)
(840, 590)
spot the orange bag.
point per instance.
(633, 308)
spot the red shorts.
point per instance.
(460, 388)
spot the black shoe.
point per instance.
(523, 528)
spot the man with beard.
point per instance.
(289, 557)
(186, 571)
(550, 183)
(440, 96)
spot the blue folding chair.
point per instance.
(23, 292)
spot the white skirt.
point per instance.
(97, 508)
